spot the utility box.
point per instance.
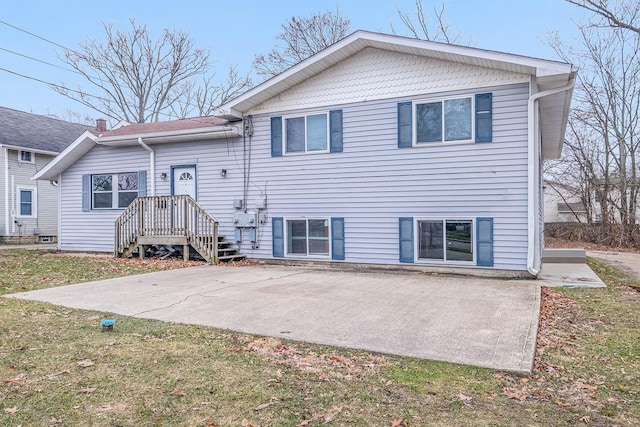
(238, 235)
(252, 235)
(238, 204)
(245, 220)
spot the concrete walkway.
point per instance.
(628, 261)
(483, 322)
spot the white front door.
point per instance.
(184, 180)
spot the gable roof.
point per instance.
(546, 71)
(545, 75)
(33, 132)
(183, 130)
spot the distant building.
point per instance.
(28, 208)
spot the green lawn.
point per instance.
(57, 367)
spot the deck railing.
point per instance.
(167, 217)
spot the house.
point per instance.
(29, 209)
(378, 150)
(562, 203)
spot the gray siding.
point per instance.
(3, 207)
(371, 183)
(94, 230)
(47, 197)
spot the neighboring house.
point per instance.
(28, 208)
(561, 204)
(378, 150)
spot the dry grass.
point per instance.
(58, 368)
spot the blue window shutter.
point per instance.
(405, 133)
(406, 239)
(484, 242)
(86, 193)
(277, 234)
(335, 126)
(484, 118)
(337, 238)
(276, 136)
(142, 183)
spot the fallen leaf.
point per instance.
(85, 363)
(211, 424)
(177, 392)
(586, 419)
(564, 404)
(246, 423)
(88, 390)
(263, 406)
(11, 410)
(329, 416)
(55, 421)
(463, 397)
(399, 422)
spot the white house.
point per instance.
(28, 208)
(378, 150)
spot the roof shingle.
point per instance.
(36, 132)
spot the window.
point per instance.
(306, 134)
(26, 202)
(26, 157)
(310, 133)
(462, 119)
(307, 237)
(447, 120)
(445, 240)
(113, 191)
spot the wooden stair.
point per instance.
(171, 221)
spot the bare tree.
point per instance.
(137, 78)
(436, 29)
(302, 37)
(206, 97)
(603, 153)
(621, 14)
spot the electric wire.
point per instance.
(62, 87)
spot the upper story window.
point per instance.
(306, 133)
(113, 191)
(26, 157)
(445, 120)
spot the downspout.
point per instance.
(152, 168)
(6, 191)
(533, 165)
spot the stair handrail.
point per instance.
(177, 215)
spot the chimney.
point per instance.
(101, 125)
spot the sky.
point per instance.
(236, 34)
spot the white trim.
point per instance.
(6, 191)
(69, 156)
(32, 157)
(307, 219)
(114, 190)
(59, 224)
(33, 150)
(442, 100)
(360, 40)
(533, 156)
(306, 151)
(444, 261)
(34, 201)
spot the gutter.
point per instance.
(533, 265)
(152, 161)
